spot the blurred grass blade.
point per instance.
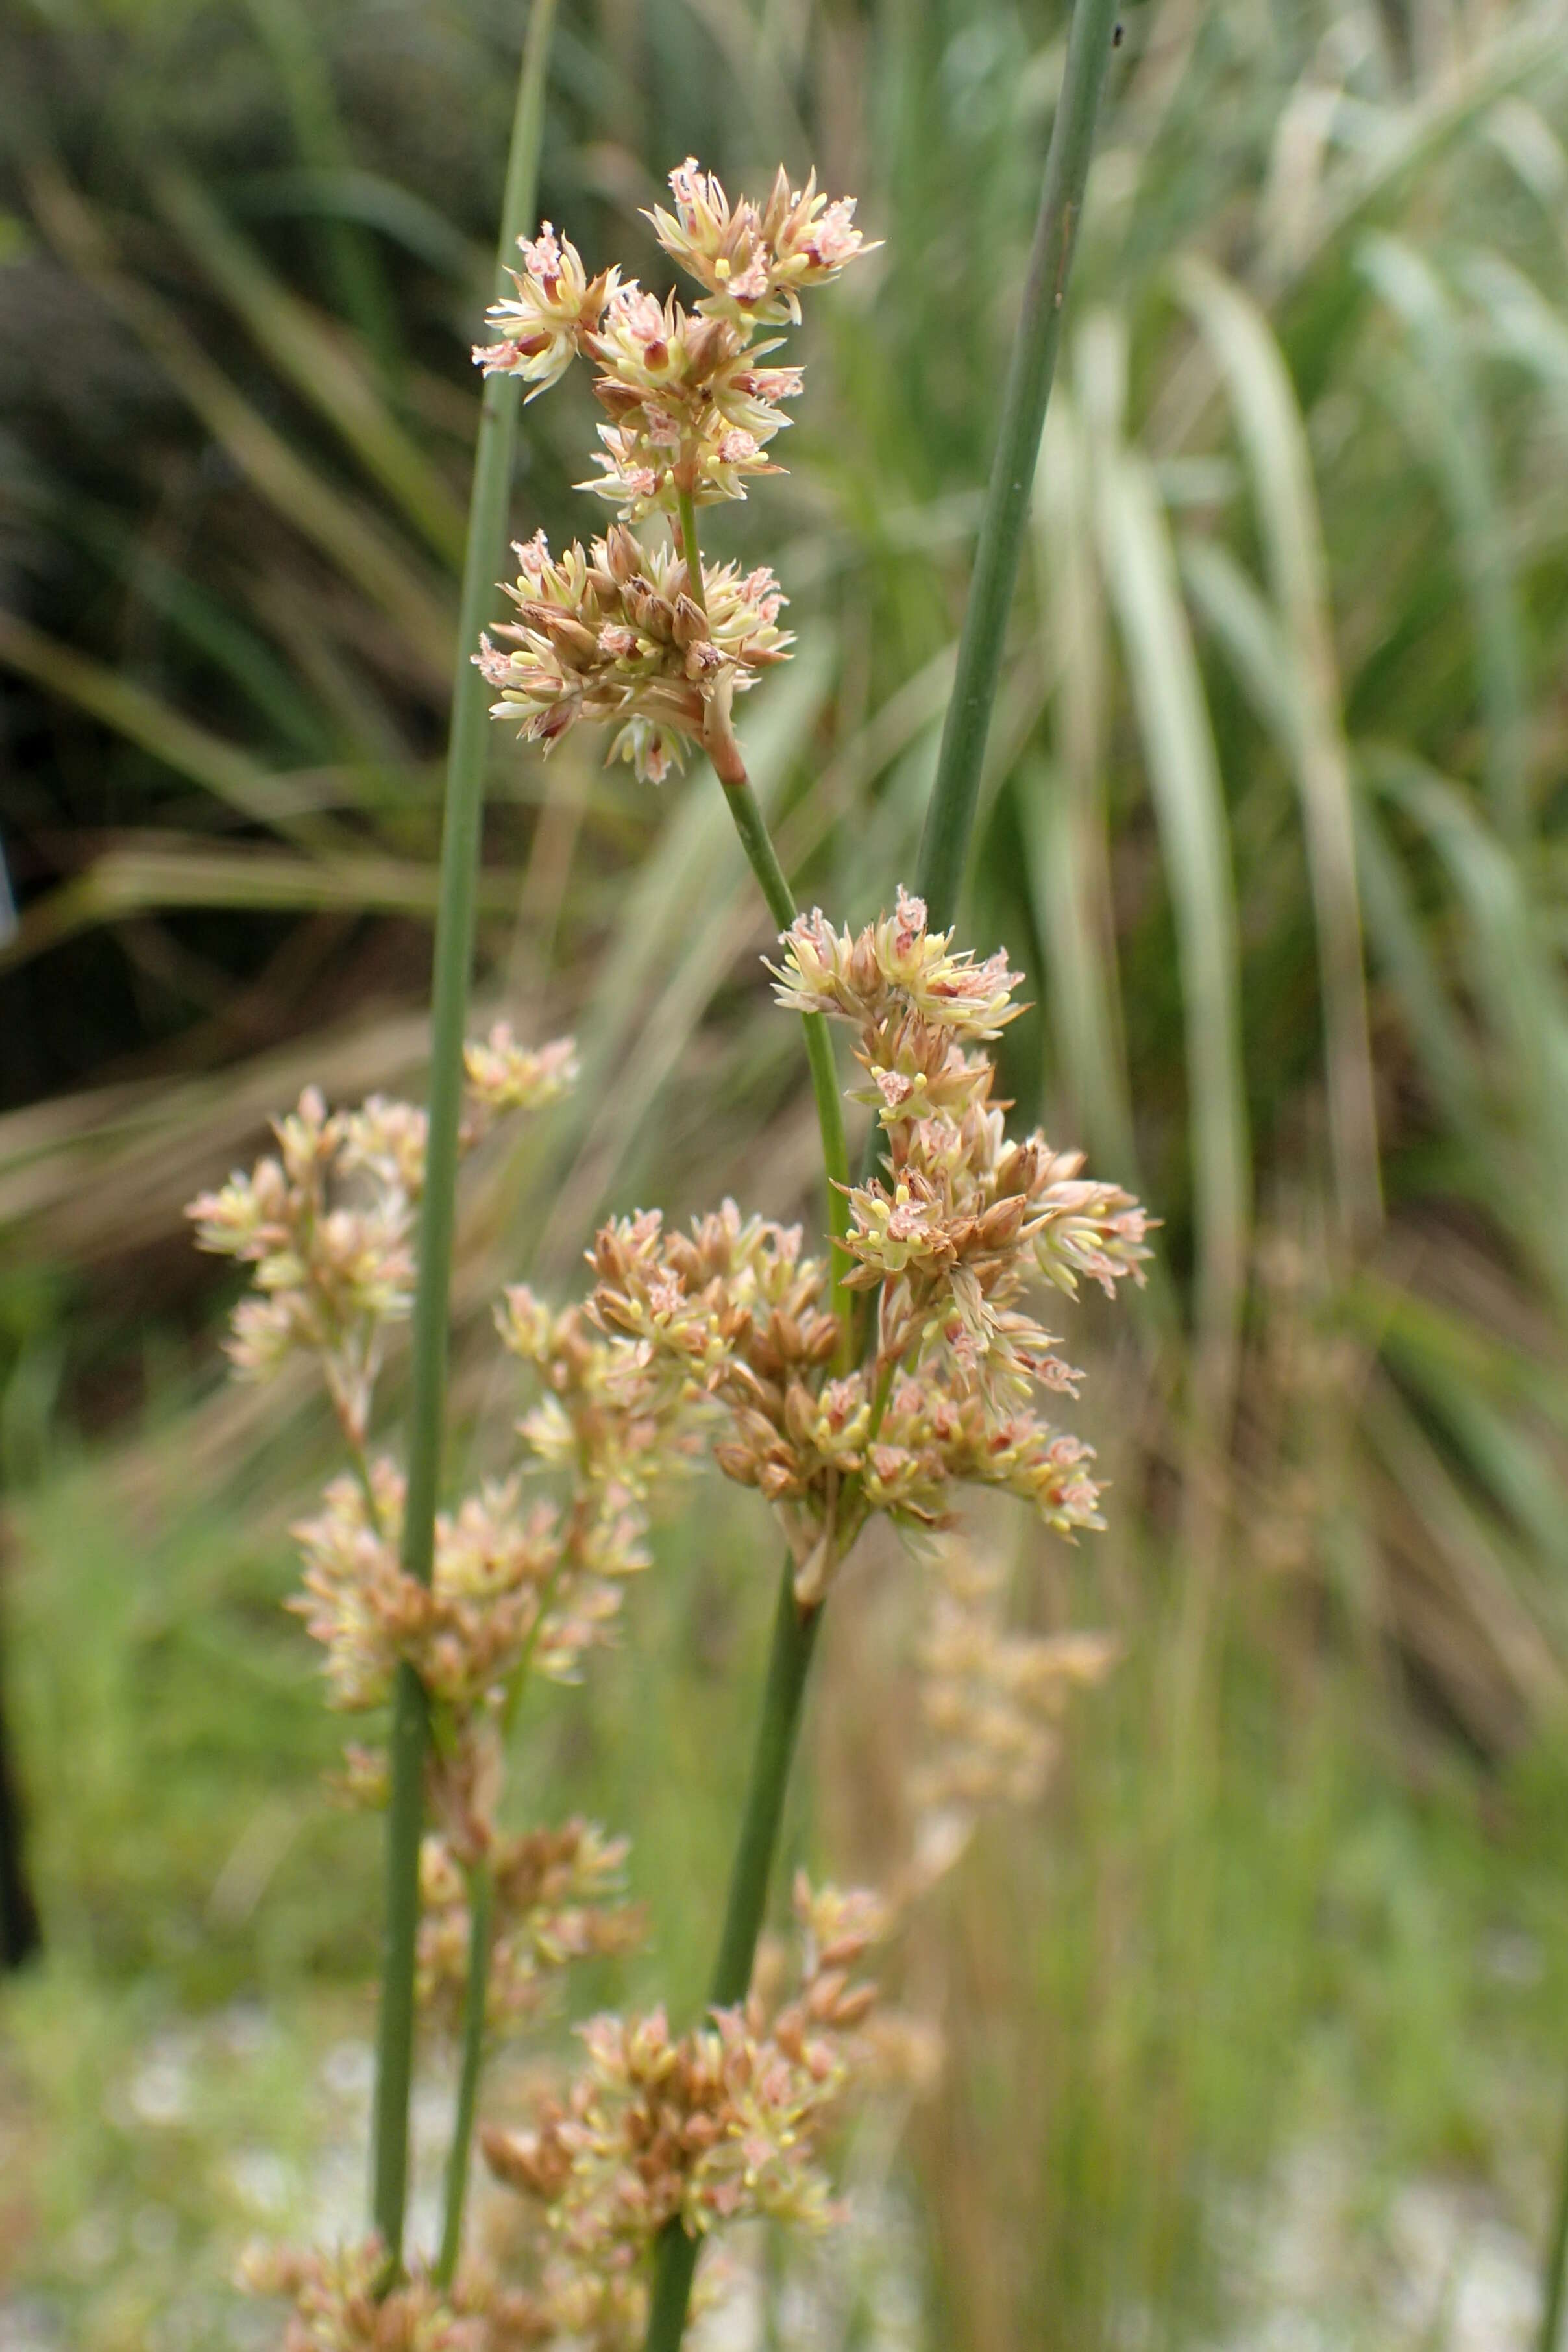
(349, 193)
(1183, 777)
(1403, 951)
(467, 757)
(1518, 985)
(291, 31)
(316, 363)
(1440, 398)
(1495, 1615)
(165, 873)
(216, 632)
(142, 718)
(1399, 141)
(1279, 463)
(1063, 817)
(950, 819)
(353, 543)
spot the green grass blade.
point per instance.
(468, 751)
(1279, 463)
(1184, 778)
(291, 32)
(1437, 396)
(354, 543)
(145, 719)
(1062, 812)
(950, 819)
(317, 363)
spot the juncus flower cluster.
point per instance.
(730, 1340)
(556, 1900)
(991, 1699)
(962, 1228)
(721, 2123)
(521, 1579)
(615, 635)
(651, 639)
(327, 1222)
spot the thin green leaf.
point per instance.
(1183, 776)
(353, 540)
(1440, 396)
(317, 361)
(1279, 463)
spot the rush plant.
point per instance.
(874, 1376)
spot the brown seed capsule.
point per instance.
(690, 622)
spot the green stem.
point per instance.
(794, 1638)
(1555, 2275)
(482, 1902)
(686, 516)
(487, 518)
(757, 842)
(951, 816)
(794, 1629)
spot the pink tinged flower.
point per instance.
(542, 255)
(750, 284)
(834, 240)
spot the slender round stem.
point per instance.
(794, 1629)
(481, 1904)
(468, 744)
(686, 516)
(794, 1638)
(1555, 2273)
(951, 817)
(757, 842)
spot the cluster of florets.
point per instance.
(327, 1221)
(511, 1580)
(690, 410)
(556, 1899)
(612, 634)
(721, 2123)
(990, 1698)
(617, 633)
(342, 2303)
(966, 1216)
(732, 1318)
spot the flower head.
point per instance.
(754, 260)
(612, 633)
(541, 327)
(896, 965)
(619, 634)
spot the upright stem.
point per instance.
(487, 514)
(1556, 2270)
(794, 1638)
(951, 816)
(794, 1629)
(757, 842)
(686, 519)
(476, 1991)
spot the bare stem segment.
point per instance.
(757, 842)
(794, 1638)
(950, 819)
(794, 1629)
(466, 748)
(482, 1902)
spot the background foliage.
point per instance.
(1275, 816)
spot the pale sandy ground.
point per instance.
(1436, 2267)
